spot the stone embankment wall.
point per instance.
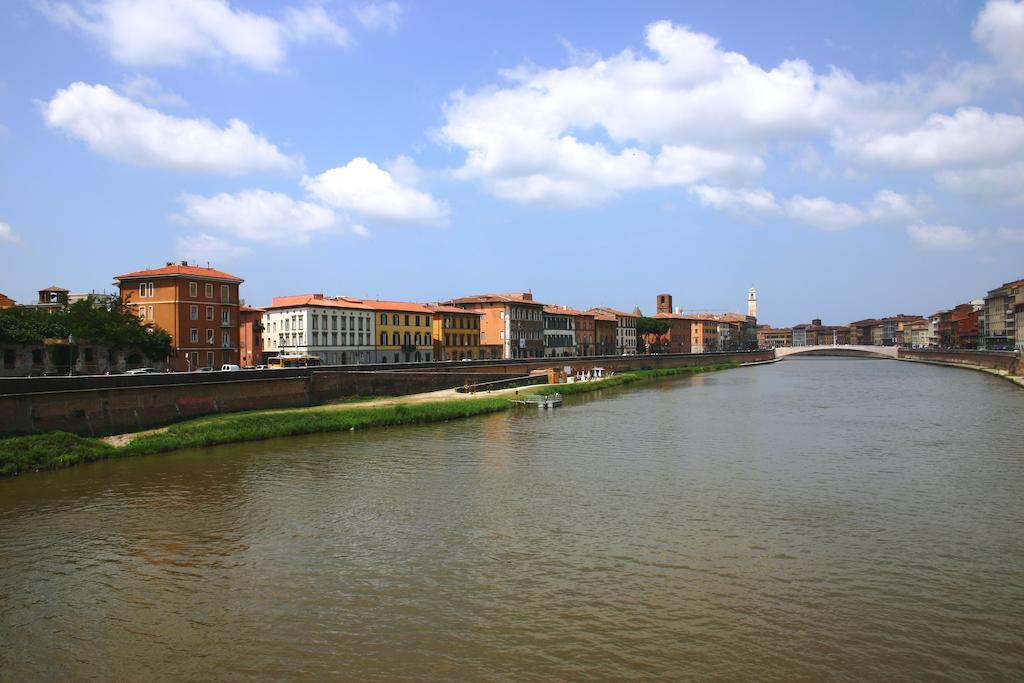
(98, 406)
(1003, 361)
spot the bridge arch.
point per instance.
(840, 350)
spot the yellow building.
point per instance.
(456, 333)
(404, 331)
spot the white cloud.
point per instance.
(970, 137)
(312, 22)
(176, 32)
(591, 131)
(7, 234)
(758, 200)
(148, 91)
(941, 237)
(364, 188)
(206, 247)
(259, 215)
(999, 29)
(378, 15)
(998, 185)
(825, 214)
(121, 129)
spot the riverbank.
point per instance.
(56, 450)
(1019, 381)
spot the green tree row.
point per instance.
(105, 325)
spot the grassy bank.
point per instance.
(55, 450)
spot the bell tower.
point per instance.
(664, 303)
(752, 303)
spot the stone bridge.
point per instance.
(839, 350)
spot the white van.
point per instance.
(228, 367)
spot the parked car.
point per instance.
(204, 369)
(230, 367)
(140, 371)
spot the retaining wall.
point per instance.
(98, 406)
(1004, 361)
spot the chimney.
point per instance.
(170, 263)
(527, 296)
(184, 263)
(816, 321)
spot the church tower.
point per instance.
(664, 303)
(752, 303)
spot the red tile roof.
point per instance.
(172, 269)
(440, 308)
(565, 310)
(514, 298)
(298, 300)
(612, 311)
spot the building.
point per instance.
(625, 330)
(860, 332)
(405, 331)
(559, 332)
(999, 331)
(513, 320)
(250, 335)
(338, 330)
(676, 339)
(894, 327)
(605, 333)
(6, 301)
(52, 298)
(456, 333)
(752, 303)
(586, 337)
(769, 337)
(703, 333)
(197, 306)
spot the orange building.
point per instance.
(606, 328)
(250, 335)
(676, 338)
(514, 320)
(197, 306)
(6, 302)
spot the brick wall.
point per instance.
(1006, 361)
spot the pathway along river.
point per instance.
(815, 519)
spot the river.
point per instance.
(841, 519)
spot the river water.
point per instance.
(815, 519)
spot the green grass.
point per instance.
(55, 450)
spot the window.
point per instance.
(323, 321)
(194, 335)
(407, 339)
(334, 322)
(383, 318)
(142, 289)
(302, 322)
(209, 359)
(351, 338)
(417, 321)
(193, 313)
(209, 290)
(417, 342)
(383, 338)
(150, 312)
(225, 339)
(209, 312)
(193, 289)
(395, 340)
(406, 318)
(360, 322)
(209, 336)
(394, 318)
(224, 291)
(428, 342)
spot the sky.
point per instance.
(849, 160)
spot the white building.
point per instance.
(559, 331)
(338, 330)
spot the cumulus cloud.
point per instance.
(260, 216)
(119, 128)
(999, 29)
(969, 137)
(364, 188)
(997, 185)
(176, 32)
(825, 214)
(7, 234)
(741, 200)
(941, 237)
(589, 131)
(206, 247)
(382, 15)
(148, 91)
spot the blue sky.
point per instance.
(847, 159)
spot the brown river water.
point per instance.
(815, 519)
